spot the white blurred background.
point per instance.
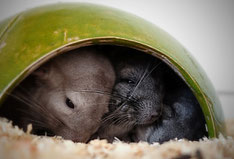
(204, 27)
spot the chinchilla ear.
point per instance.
(41, 73)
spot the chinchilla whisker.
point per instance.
(98, 92)
(25, 101)
(33, 104)
(90, 91)
(124, 87)
(29, 103)
(111, 103)
(106, 121)
(96, 103)
(119, 120)
(32, 115)
(110, 117)
(123, 116)
(118, 96)
(107, 93)
(115, 122)
(135, 104)
(144, 76)
(140, 80)
(101, 92)
(123, 121)
(24, 90)
(127, 124)
(35, 123)
(156, 66)
(116, 118)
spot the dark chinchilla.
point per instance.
(182, 116)
(137, 94)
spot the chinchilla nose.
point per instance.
(154, 116)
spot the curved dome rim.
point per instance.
(111, 40)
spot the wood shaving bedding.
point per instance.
(15, 144)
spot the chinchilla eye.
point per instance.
(128, 81)
(69, 103)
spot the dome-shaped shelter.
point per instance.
(31, 38)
